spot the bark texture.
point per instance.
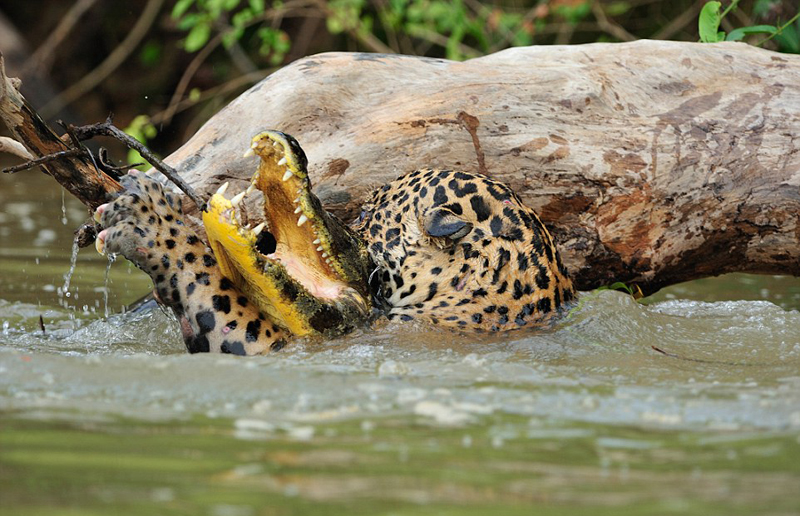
(652, 162)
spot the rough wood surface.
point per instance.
(651, 162)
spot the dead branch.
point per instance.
(108, 128)
(77, 173)
(44, 160)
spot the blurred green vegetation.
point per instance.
(197, 55)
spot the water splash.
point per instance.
(111, 259)
(68, 276)
(63, 208)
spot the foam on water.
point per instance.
(735, 366)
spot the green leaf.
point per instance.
(189, 21)
(573, 13)
(257, 6)
(762, 7)
(708, 22)
(197, 37)
(150, 54)
(141, 129)
(181, 7)
(789, 39)
(617, 8)
(740, 33)
(242, 18)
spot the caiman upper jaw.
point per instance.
(284, 149)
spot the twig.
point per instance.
(732, 5)
(610, 27)
(111, 63)
(42, 59)
(213, 43)
(701, 360)
(438, 39)
(250, 78)
(564, 34)
(779, 29)
(676, 25)
(188, 73)
(391, 35)
(107, 128)
(12, 146)
(364, 37)
(78, 151)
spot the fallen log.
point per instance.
(651, 162)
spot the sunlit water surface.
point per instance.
(102, 415)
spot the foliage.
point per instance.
(635, 292)
(710, 19)
(201, 17)
(141, 129)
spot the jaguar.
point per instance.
(452, 249)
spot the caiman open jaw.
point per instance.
(301, 266)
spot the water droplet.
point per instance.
(68, 276)
(63, 208)
(111, 259)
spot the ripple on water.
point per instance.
(734, 366)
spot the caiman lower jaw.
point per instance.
(282, 284)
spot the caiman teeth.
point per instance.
(324, 255)
(320, 248)
(282, 161)
(257, 230)
(249, 152)
(317, 241)
(224, 187)
(287, 175)
(250, 189)
(298, 209)
(238, 198)
(302, 220)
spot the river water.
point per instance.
(109, 415)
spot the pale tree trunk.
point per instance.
(651, 162)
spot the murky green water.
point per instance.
(110, 416)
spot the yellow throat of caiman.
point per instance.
(301, 266)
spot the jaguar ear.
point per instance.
(444, 223)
